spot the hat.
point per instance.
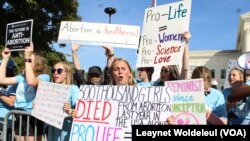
(95, 70)
(11, 64)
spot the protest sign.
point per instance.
(49, 101)
(161, 41)
(188, 101)
(85, 33)
(19, 35)
(107, 112)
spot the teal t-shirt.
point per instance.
(216, 102)
(25, 94)
(240, 111)
(4, 108)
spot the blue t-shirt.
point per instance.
(158, 83)
(4, 108)
(248, 83)
(240, 112)
(144, 84)
(25, 94)
(216, 102)
(54, 133)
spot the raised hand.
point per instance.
(187, 36)
(6, 53)
(29, 50)
(75, 47)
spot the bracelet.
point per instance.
(28, 60)
(110, 55)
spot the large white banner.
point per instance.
(107, 112)
(116, 35)
(49, 101)
(161, 42)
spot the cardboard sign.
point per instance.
(188, 101)
(19, 35)
(49, 101)
(107, 112)
(161, 42)
(85, 33)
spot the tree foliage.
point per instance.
(47, 16)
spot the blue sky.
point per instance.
(213, 25)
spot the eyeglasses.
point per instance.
(58, 71)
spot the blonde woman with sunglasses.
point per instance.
(62, 74)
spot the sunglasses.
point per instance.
(94, 75)
(58, 71)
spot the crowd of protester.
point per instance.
(18, 91)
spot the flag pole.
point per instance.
(153, 3)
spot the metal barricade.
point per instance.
(1, 131)
(14, 114)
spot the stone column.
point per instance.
(246, 43)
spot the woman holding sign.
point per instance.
(62, 74)
(35, 71)
(171, 72)
(216, 107)
(121, 73)
(216, 113)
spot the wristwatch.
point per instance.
(110, 55)
(28, 60)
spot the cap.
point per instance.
(95, 70)
(11, 64)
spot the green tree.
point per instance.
(47, 16)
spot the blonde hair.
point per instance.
(69, 73)
(40, 65)
(131, 81)
(202, 72)
(240, 72)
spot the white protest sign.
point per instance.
(161, 42)
(19, 35)
(188, 101)
(99, 34)
(49, 101)
(107, 112)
